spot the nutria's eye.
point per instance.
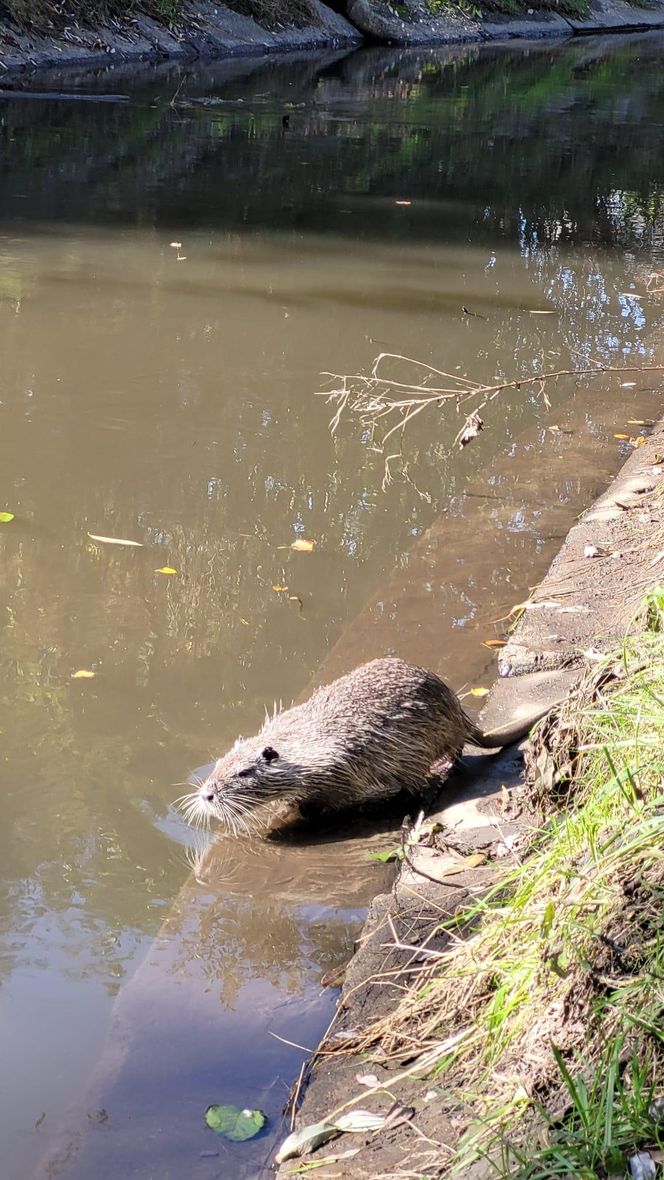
(245, 773)
(269, 754)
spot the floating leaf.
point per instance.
(176, 245)
(494, 643)
(535, 311)
(624, 437)
(403, 202)
(640, 422)
(83, 674)
(236, 1125)
(5, 517)
(305, 1141)
(478, 692)
(115, 541)
(166, 569)
(280, 589)
(302, 546)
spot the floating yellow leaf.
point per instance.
(622, 436)
(638, 441)
(640, 422)
(280, 589)
(494, 643)
(115, 541)
(478, 692)
(166, 569)
(302, 546)
(5, 517)
(83, 674)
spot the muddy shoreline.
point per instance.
(214, 31)
(606, 564)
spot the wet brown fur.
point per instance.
(367, 736)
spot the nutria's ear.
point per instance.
(269, 754)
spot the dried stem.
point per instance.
(374, 396)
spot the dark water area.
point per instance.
(177, 269)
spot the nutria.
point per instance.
(367, 736)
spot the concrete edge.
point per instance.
(214, 31)
(484, 817)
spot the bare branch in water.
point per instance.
(375, 397)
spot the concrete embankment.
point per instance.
(609, 560)
(209, 31)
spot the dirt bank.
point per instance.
(609, 560)
(207, 30)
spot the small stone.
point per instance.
(642, 1166)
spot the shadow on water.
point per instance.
(326, 207)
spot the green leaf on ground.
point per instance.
(388, 854)
(235, 1124)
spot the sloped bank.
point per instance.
(505, 933)
(209, 30)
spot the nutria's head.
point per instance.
(251, 774)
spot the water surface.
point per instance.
(326, 208)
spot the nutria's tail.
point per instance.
(505, 735)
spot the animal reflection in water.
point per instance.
(369, 736)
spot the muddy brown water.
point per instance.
(327, 208)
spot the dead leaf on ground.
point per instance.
(304, 1141)
(595, 551)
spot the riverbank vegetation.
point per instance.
(49, 17)
(545, 1011)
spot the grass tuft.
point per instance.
(557, 988)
